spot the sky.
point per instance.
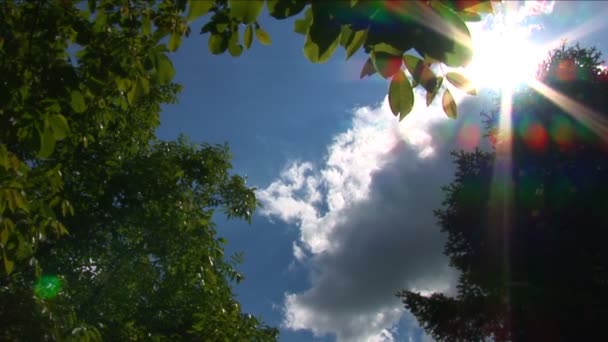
(348, 191)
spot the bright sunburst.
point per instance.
(504, 57)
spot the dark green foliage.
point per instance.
(106, 232)
(532, 254)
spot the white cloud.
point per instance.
(365, 218)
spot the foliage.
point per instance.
(106, 232)
(416, 34)
(542, 275)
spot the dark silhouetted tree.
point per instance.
(531, 246)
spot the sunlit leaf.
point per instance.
(400, 95)
(461, 82)
(198, 8)
(246, 11)
(449, 105)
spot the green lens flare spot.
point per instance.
(47, 287)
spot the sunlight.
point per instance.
(588, 117)
(503, 56)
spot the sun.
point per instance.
(503, 55)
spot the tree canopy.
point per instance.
(542, 275)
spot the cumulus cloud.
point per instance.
(365, 218)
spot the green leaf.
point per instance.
(198, 8)
(400, 95)
(385, 63)
(248, 39)
(47, 143)
(164, 68)
(420, 72)
(4, 160)
(388, 49)
(281, 9)
(356, 42)
(146, 25)
(449, 105)
(469, 16)
(217, 44)
(135, 92)
(302, 26)
(234, 47)
(430, 95)
(59, 125)
(262, 36)
(321, 41)
(461, 82)
(8, 264)
(246, 11)
(175, 41)
(459, 51)
(484, 6)
(77, 101)
(368, 68)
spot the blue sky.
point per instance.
(348, 191)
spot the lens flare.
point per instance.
(48, 287)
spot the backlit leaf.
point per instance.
(281, 9)
(302, 26)
(368, 68)
(164, 69)
(217, 44)
(420, 72)
(246, 11)
(198, 8)
(449, 105)
(461, 82)
(469, 16)
(175, 40)
(400, 95)
(356, 42)
(262, 36)
(321, 41)
(248, 39)
(234, 47)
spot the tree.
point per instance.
(543, 275)
(106, 232)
